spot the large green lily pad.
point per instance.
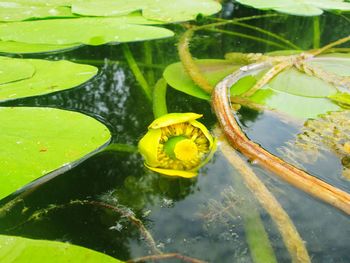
(19, 249)
(213, 69)
(299, 7)
(37, 141)
(89, 31)
(165, 10)
(14, 70)
(50, 76)
(16, 12)
(25, 48)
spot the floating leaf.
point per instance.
(165, 10)
(19, 249)
(50, 76)
(37, 141)
(16, 12)
(300, 7)
(89, 31)
(25, 48)
(213, 69)
(12, 70)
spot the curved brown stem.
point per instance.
(251, 150)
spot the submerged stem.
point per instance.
(136, 71)
(289, 233)
(317, 35)
(159, 98)
(258, 39)
(166, 256)
(149, 61)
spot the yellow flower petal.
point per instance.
(173, 118)
(171, 172)
(148, 146)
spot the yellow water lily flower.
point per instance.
(177, 145)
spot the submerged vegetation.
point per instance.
(304, 85)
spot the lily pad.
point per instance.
(17, 12)
(89, 31)
(213, 69)
(12, 70)
(300, 7)
(19, 249)
(165, 10)
(13, 47)
(37, 141)
(50, 76)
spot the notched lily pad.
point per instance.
(12, 70)
(20, 250)
(96, 31)
(165, 10)
(213, 69)
(37, 141)
(300, 7)
(50, 76)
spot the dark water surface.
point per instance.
(175, 210)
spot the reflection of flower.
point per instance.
(177, 145)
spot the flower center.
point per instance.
(186, 150)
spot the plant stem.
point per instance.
(289, 233)
(258, 39)
(317, 35)
(119, 147)
(149, 61)
(159, 98)
(189, 64)
(266, 32)
(137, 72)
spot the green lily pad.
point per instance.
(300, 7)
(13, 47)
(165, 10)
(19, 249)
(17, 12)
(89, 31)
(50, 76)
(37, 141)
(213, 69)
(12, 70)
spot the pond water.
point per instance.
(176, 211)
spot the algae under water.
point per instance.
(175, 210)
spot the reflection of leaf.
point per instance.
(50, 76)
(165, 10)
(96, 31)
(300, 7)
(296, 106)
(23, 48)
(19, 249)
(294, 82)
(213, 69)
(36, 141)
(14, 70)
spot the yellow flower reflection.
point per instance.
(177, 145)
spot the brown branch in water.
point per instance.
(166, 256)
(253, 151)
(135, 221)
(289, 233)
